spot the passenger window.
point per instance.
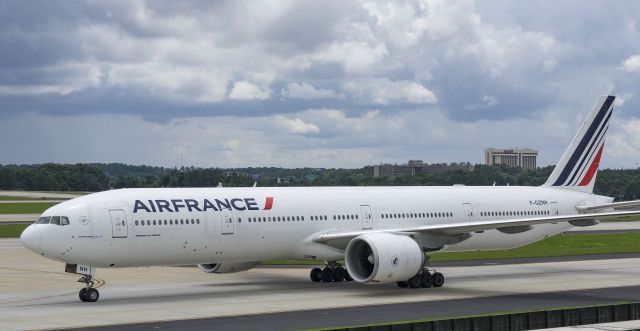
(64, 220)
(55, 220)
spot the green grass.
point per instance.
(25, 208)
(67, 192)
(11, 230)
(629, 219)
(561, 245)
(16, 198)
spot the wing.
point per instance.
(340, 239)
(624, 205)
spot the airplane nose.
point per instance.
(30, 238)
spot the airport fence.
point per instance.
(515, 321)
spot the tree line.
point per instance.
(623, 184)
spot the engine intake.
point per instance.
(227, 267)
(383, 258)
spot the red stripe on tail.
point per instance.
(592, 168)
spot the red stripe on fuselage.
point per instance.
(592, 168)
(268, 203)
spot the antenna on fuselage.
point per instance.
(255, 184)
(219, 184)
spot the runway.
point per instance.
(36, 294)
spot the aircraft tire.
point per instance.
(316, 275)
(92, 295)
(437, 280)
(327, 275)
(83, 295)
(347, 277)
(339, 274)
(415, 281)
(426, 279)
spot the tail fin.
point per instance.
(579, 163)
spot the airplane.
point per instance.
(383, 234)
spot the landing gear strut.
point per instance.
(333, 272)
(88, 294)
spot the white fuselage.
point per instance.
(145, 227)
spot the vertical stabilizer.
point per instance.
(579, 163)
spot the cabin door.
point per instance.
(118, 223)
(226, 218)
(468, 211)
(554, 208)
(367, 217)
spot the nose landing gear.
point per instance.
(88, 294)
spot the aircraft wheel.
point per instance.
(414, 282)
(426, 279)
(83, 295)
(437, 280)
(339, 274)
(402, 284)
(316, 275)
(92, 295)
(347, 277)
(327, 275)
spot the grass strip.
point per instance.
(11, 230)
(17, 198)
(560, 245)
(25, 208)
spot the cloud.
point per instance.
(382, 91)
(297, 125)
(632, 64)
(307, 92)
(244, 90)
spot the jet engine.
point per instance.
(227, 267)
(383, 258)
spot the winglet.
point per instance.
(579, 163)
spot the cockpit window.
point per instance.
(43, 220)
(57, 220)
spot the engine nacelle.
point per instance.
(383, 258)
(227, 267)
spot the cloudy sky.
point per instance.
(312, 83)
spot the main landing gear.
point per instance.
(88, 294)
(333, 272)
(423, 279)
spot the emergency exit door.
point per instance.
(118, 223)
(228, 225)
(367, 217)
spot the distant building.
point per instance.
(517, 157)
(285, 180)
(417, 167)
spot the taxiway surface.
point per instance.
(36, 294)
